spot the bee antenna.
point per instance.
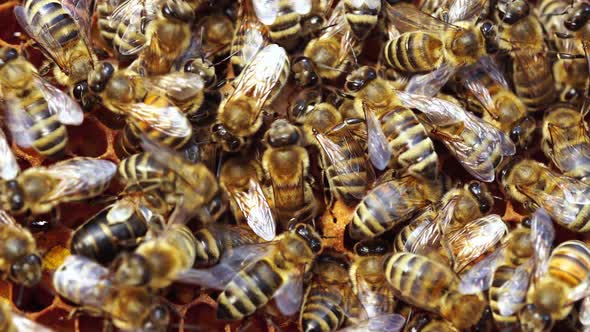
(498, 198)
(226, 58)
(332, 68)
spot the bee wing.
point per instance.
(176, 85)
(290, 295)
(266, 10)
(407, 18)
(378, 145)
(261, 75)
(479, 276)
(42, 35)
(79, 174)
(121, 211)
(257, 211)
(463, 10)
(542, 235)
(426, 235)
(569, 155)
(7, 219)
(301, 7)
(383, 322)
(430, 84)
(218, 276)
(8, 166)
(575, 191)
(168, 120)
(134, 11)
(58, 102)
(556, 206)
(18, 122)
(472, 81)
(490, 67)
(81, 12)
(475, 238)
(584, 314)
(24, 324)
(511, 295)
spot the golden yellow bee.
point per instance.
(283, 19)
(362, 16)
(217, 241)
(129, 20)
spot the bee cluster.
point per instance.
(305, 165)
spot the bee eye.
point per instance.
(526, 222)
(11, 54)
(316, 246)
(515, 134)
(484, 207)
(81, 89)
(475, 188)
(371, 74)
(353, 85)
(107, 70)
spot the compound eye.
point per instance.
(11, 54)
(371, 74)
(80, 90)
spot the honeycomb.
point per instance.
(193, 309)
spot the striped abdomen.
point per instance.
(101, 240)
(384, 207)
(479, 149)
(502, 275)
(419, 280)
(82, 281)
(361, 19)
(49, 135)
(50, 16)
(533, 80)
(144, 170)
(570, 263)
(212, 242)
(414, 52)
(106, 26)
(286, 28)
(322, 310)
(412, 148)
(249, 290)
(128, 41)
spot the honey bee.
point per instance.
(534, 185)
(391, 203)
(531, 71)
(428, 323)
(10, 321)
(36, 111)
(87, 283)
(157, 261)
(392, 130)
(217, 33)
(130, 19)
(19, 260)
(252, 275)
(310, 111)
(362, 16)
(40, 189)
(283, 19)
(566, 141)
(286, 165)
(344, 164)
(250, 36)
(217, 241)
(107, 27)
(241, 179)
(305, 73)
(257, 86)
(119, 227)
(192, 188)
(66, 41)
(433, 286)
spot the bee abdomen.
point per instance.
(535, 87)
(107, 28)
(414, 52)
(142, 169)
(50, 15)
(322, 312)
(208, 249)
(48, 133)
(502, 275)
(570, 263)
(82, 281)
(249, 290)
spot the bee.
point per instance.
(391, 203)
(19, 259)
(87, 283)
(362, 16)
(433, 286)
(241, 179)
(36, 111)
(283, 19)
(305, 74)
(428, 44)
(130, 20)
(40, 189)
(393, 130)
(217, 241)
(566, 141)
(11, 321)
(250, 276)
(531, 71)
(257, 86)
(107, 26)
(167, 36)
(157, 261)
(66, 40)
(250, 36)
(120, 226)
(217, 33)
(534, 185)
(424, 322)
(309, 110)
(368, 280)
(286, 165)
(192, 188)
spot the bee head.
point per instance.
(228, 141)
(482, 196)
(282, 133)
(533, 319)
(178, 10)
(7, 54)
(359, 78)
(100, 76)
(304, 72)
(204, 69)
(309, 235)
(27, 270)
(578, 18)
(522, 131)
(131, 270)
(12, 197)
(511, 11)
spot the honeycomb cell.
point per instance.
(88, 139)
(90, 324)
(33, 299)
(201, 316)
(182, 294)
(57, 318)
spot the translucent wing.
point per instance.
(8, 166)
(81, 12)
(250, 36)
(378, 145)
(18, 122)
(257, 211)
(511, 296)
(301, 7)
(490, 67)
(290, 295)
(475, 238)
(430, 84)
(42, 34)
(407, 18)
(372, 4)
(266, 10)
(218, 276)
(479, 276)
(472, 80)
(7, 219)
(462, 10)
(121, 211)
(24, 324)
(570, 156)
(58, 102)
(176, 85)
(584, 315)
(575, 191)
(556, 205)
(79, 175)
(384, 322)
(428, 234)
(542, 235)
(262, 75)
(168, 120)
(134, 13)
